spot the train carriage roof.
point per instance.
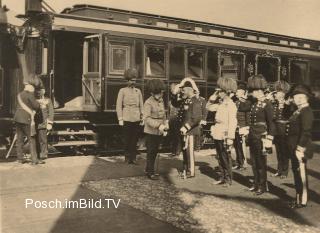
(96, 19)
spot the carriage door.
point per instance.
(93, 73)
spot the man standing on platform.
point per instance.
(130, 114)
(44, 122)
(189, 117)
(281, 118)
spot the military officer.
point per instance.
(189, 116)
(280, 108)
(44, 122)
(261, 131)
(155, 123)
(223, 130)
(27, 105)
(242, 128)
(299, 142)
(130, 114)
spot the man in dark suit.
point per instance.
(300, 143)
(24, 119)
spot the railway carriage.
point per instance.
(83, 51)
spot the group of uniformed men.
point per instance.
(243, 114)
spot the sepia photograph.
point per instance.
(137, 116)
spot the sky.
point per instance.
(299, 18)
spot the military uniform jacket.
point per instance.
(299, 130)
(181, 105)
(261, 120)
(242, 117)
(44, 115)
(193, 115)
(129, 104)
(28, 98)
(281, 114)
(154, 115)
(225, 120)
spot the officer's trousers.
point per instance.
(42, 143)
(188, 154)
(239, 149)
(131, 135)
(282, 154)
(259, 161)
(152, 144)
(23, 130)
(299, 170)
(224, 160)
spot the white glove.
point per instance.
(213, 97)
(300, 155)
(244, 130)
(267, 143)
(229, 142)
(121, 123)
(176, 89)
(49, 126)
(203, 122)
(142, 122)
(162, 128)
(183, 130)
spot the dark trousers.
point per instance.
(152, 144)
(131, 136)
(282, 154)
(238, 148)
(224, 160)
(259, 161)
(23, 130)
(299, 170)
(42, 143)
(175, 137)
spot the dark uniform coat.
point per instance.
(193, 115)
(22, 116)
(45, 115)
(299, 130)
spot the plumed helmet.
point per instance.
(227, 84)
(189, 82)
(131, 73)
(281, 85)
(155, 86)
(302, 89)
(257, 82)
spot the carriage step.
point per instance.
(75, 143)
(72, 122)
(79, 132)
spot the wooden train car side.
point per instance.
(84, 51)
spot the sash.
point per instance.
(31, 112)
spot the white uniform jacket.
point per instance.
(225, 120)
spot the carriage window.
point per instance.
(177, 69)
(195, 63)
(231, 65)
(268, 67)
(212, 65)
(93, 55)
(298, 72)
(1, 87)
(120, 59)
(155, 61)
